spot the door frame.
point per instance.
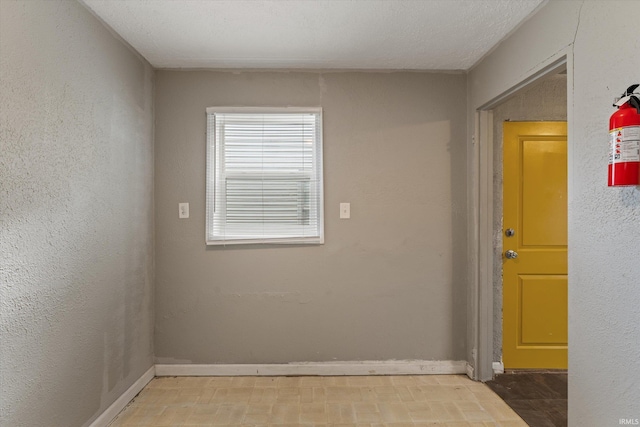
(481, 254)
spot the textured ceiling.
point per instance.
(348, 34)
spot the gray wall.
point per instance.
(385, 285)
(545, 100)
(76, 224)
(604, 223)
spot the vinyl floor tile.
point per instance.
(380, 401)
(539, 398)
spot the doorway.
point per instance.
(543, 100)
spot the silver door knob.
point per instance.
(511, 254)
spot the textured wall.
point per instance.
(76, 224)
(604, 223)
(385, 285)
(604, 228)
(546, 100)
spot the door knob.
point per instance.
(511, 254)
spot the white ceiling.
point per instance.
(338, 34)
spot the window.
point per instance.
(264, 176)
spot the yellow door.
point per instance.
(535, 230)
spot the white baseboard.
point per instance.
(470, 371)
(498, 367)
(112, 411)
(393, 367)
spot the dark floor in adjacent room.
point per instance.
(539, 398)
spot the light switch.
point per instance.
(345, 210)
(183, 210)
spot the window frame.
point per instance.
(213, 164)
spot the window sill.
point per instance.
(268, 241)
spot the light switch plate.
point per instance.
(183, 210)
(345, 210)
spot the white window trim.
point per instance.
(210, 177)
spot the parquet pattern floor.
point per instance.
(395, 401)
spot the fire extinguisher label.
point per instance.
(624, 145)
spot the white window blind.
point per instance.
(264, 176)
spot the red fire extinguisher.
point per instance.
(624, 140)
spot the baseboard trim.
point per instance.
(394, 367)
(470, 371)
(121, 402)
(498, 368)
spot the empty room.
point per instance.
(319, 212)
